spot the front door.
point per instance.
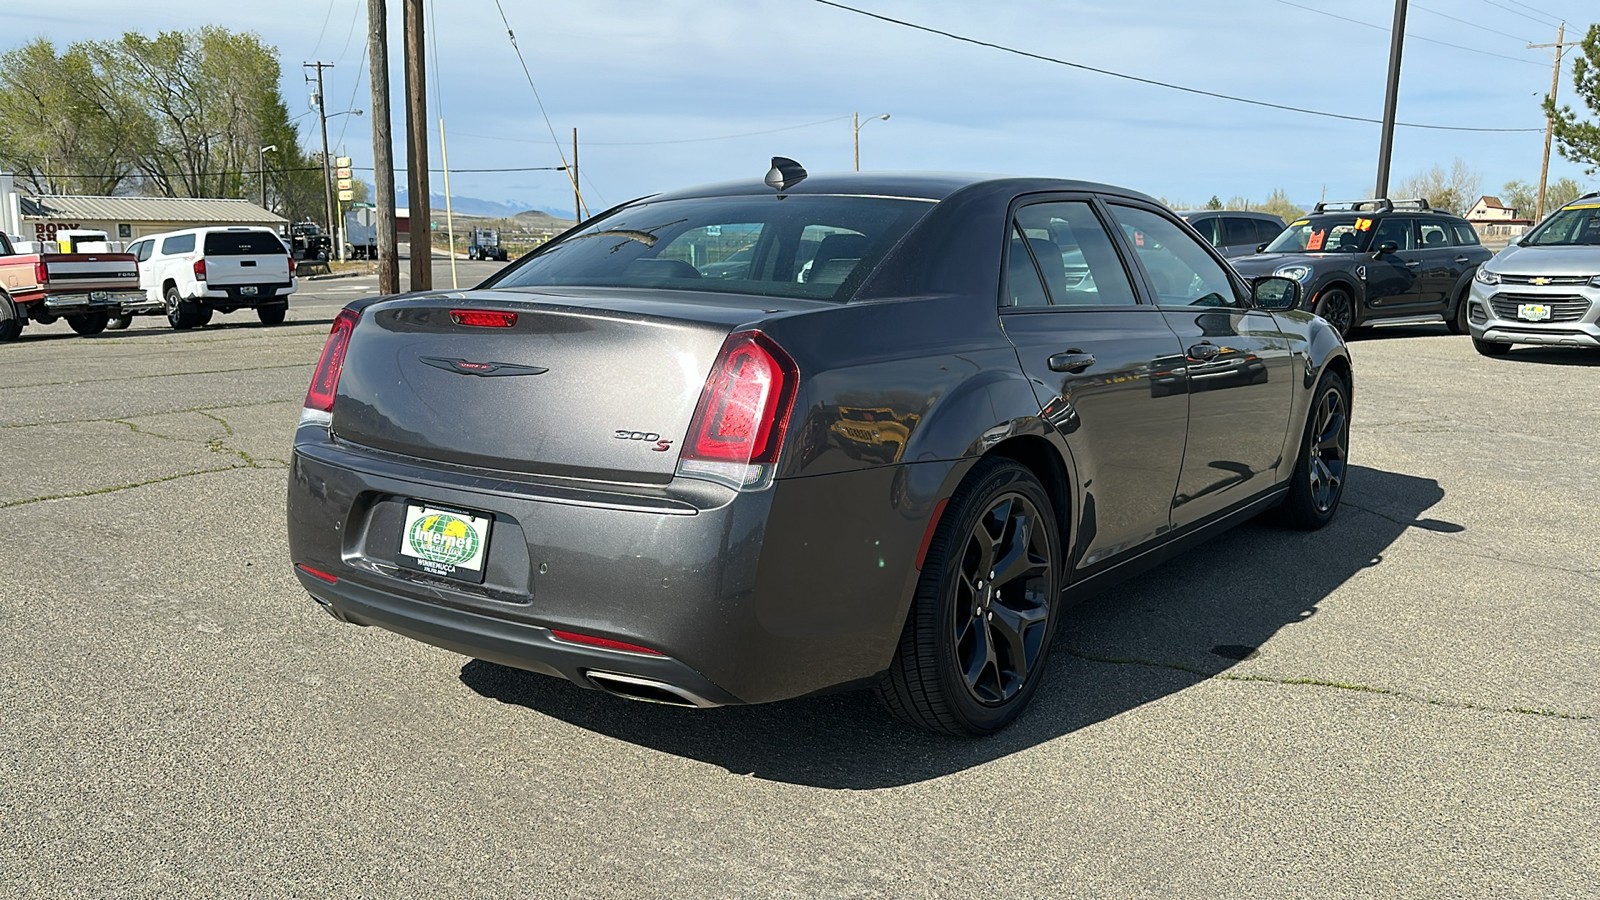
(1091, 351)
(1236, 368)
(1392, 279)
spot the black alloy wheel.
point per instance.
(1319, 475)
(1456, 319)
(179, 316)
(975, 643)
(1338, 309)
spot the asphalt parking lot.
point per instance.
(1406, 704)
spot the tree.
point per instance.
(1560, 192)
(1576, 139)
(1453, 191)
(1520, 195)
(1278, 204)
(1214, 203)
(56, 130)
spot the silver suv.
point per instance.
(1544, 288)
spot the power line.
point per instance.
(257, 172)
(325, 18)
(529, 75)
(1154, 83)
(1468, 22)
(723, 137)
(1516, 12)
(1323, 12)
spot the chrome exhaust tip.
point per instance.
(646, 690)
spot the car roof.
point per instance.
(914, 185)
(1247, 213)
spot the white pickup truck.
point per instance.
(199, 271)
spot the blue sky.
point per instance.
(660, 88)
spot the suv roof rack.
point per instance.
(1381, 204)
(1591, 195)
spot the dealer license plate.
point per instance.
(445, 542)
(247, 291)
(1533, 312)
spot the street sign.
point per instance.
(342, 172)
(346, 196)
(344, 184)
(342, 162)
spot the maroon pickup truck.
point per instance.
(86, 289)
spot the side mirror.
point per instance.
(1276, 293)
(1387, 247)
(1262, 248)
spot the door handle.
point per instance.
(1413, 264)
(1204, 351)
(1073, 360)
(1462, 260)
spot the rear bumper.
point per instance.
(234, 295)
(89, 302)
(749, 597)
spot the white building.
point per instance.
(123, 218)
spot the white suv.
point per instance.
(198, 271)
(1544, 288)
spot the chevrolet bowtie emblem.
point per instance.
(481, 369)
(1540, 280)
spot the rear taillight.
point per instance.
(41, 272)
(200, 270)
(325, 380)
(738, 428)
(291, 265)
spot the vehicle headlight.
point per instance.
(1595, 281)
(1298, 273)
(1484, 276)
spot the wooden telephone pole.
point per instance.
(382, 147)
(1561, 45)
(322, 112)
(417, 149)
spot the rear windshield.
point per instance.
(242, 243)
(1326, 234)
(1567, 227)
(817, 247)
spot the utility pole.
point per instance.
(322, 113)
(417, 149)
(1561, 45)
(382, 147)
(1391, 98)
(577, 194)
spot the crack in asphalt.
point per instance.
(168, 412)
(122, 378)
(212, 444)
(1485, 552)
(1307, 681)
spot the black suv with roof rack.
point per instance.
(1367, 261)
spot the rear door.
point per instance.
(1440, 269)
(245, 258)
(1094, 354)
(1237, 368)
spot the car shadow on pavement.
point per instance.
(1551, 356)
(1192, 619)
(136, 332)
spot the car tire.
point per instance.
(185, 314)
(89, 323)
(970, 658)
(1456, 320)
(119, 323)
(1338, 309)
(1491, 348)
(10, 320)
(1318, 482)
(272, 315)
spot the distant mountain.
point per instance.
(466, 206)
(539, 218)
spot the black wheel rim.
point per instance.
(1330, 446)
(1002, 599)
(1336, 309)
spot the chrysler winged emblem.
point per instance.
(481, 369)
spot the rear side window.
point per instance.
(1207, 226)
(1435, 234)
(1240, 232)
(1065, 245)
(183, 243)
(1466, 236)
(242, 243)
(1266, 230)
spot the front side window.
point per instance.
(1180, 269)
(1400, 232)
(1071, 250)
(804, 246)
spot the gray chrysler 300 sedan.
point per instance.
(887, 446)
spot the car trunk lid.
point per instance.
(245, 257)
